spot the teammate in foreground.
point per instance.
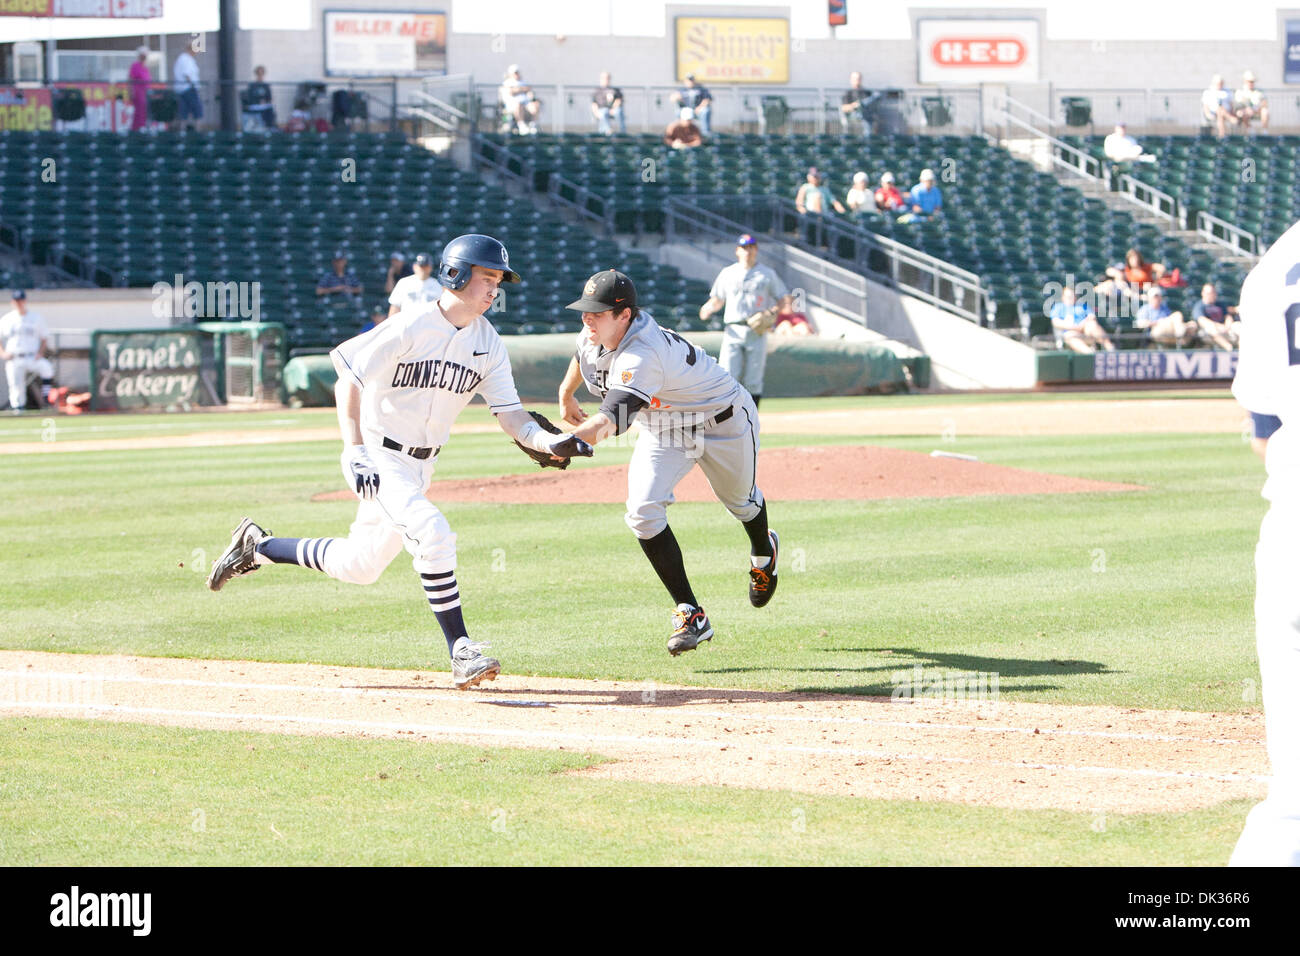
(1268, 384)
(400, 387)
(689, 409)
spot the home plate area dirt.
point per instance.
(991, 753)
(816, 473)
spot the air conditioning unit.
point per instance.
(29, 64)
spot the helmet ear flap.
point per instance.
(453, 276)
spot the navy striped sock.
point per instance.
(307, 552)
(444, 600)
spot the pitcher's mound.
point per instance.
(822, 473)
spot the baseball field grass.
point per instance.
(1132, 599)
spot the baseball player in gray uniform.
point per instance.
(24, 342)
(754, 295)
(419, 288)
(689, 410)
(400, 387)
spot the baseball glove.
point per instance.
(761, 322)
(566, 449)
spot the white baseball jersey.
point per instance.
(679, 381)
(747, 291)
(412, 290)
(22, 334)
(1268, 368)
(417, 372)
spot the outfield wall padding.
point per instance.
(796, 367)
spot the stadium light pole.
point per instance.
(229, 13)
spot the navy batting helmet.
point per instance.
(474, 250)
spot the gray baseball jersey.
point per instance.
(416, 371)
(747, 291)
(681, 383)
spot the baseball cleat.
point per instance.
(762, 581)
(691, 629)
(239, 557)
(469, 666)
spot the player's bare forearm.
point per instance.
(570, 410)
(595, 429)
(347, 399)
(708, 308)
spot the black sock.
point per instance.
(757, 399)
(760, 545)
(444, 600)
(666, 558)
(307, 552)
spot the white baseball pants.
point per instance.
(398, 516)
(17, 371)
(1272, 833)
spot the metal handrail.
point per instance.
(1223, 233)
(581, 203)
(1155, 201)
(884, 260)
(1084, 165)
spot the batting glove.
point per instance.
(360, 472)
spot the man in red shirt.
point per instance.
(887, 196)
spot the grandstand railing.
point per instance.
(1166, 110)
(596, 209)
(746, 109)
(1063, 156)
(1155, 201)
(822, 283)
(1223, 233)
(848, 245)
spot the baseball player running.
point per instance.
(1268, 385)
(400, 387)
(24, 343)
(419, 288)
(754, 295)
(689, 410)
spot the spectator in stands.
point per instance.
(1161, 325)
(793, 323)
(1217, 108)
(1131, 277)
(140, 79)
(814, 200)
(924, 201)
(855, 104)
(418, 288)
(1121, 148)
(257, 102)
(682, 133)
(520, 104)
(607, 105)
(1076, 325)
(377, 315)
(338, 278)
(699, 99)
(859, 198)
(1217, 322)
(1250, 104)
(888, 198)
(397, 269)
(185, 74)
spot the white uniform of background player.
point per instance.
(689, 410)
(1268, 384)
(419, 288)
(746, 289)
(24, 340)
(400, 387)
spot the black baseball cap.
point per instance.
(424, 259)
(606, 290)
(20, 294)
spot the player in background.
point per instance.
(1268, 385)
(689, 410)
(24, 345)
(400, 387)
(416, 289)
(753, 295)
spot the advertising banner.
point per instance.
(384, 43)
(977, 51)
(733, 49)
